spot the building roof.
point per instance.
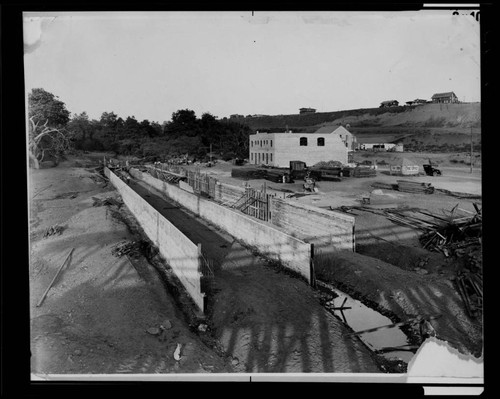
(333, 129)
(441, 95)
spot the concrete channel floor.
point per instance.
(265, 319)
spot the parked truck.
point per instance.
(299, 170)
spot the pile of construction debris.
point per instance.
(327, 165)
(453, 235)
(53, 230)
(130, 248)
(106, 201)
(462, 238)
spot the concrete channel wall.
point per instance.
(182, 255)
(329, 231)
(291, 252)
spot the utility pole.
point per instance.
(471, 150)
(210, 152)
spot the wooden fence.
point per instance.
(202, 184)
(255, 203)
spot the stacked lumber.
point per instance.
(415, 187)
(276, 175)
(362, 172)
(385, 186)
(249, 173)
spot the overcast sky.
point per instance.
(149, 65)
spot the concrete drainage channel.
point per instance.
(392, 343)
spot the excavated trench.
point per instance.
(390, 343)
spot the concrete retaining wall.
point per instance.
(178, 250)
(329, 231)
(292, 252)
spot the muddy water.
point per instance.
(360, 317)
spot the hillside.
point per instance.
(428, 115)
(429, 127)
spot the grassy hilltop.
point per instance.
(429, 127)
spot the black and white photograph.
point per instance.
(274, 195)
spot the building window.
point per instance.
(271, 156)
(321, 141)
(251, 156)
(271, 142)
(303, 141)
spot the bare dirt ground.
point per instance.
(390, 270)
(261, 319)
(96, 316)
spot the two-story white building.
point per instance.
(278, 149)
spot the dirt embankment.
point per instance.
(405, 294)
(103, 313)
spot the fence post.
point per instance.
(200, 259)
(311, 268)
(353, 238)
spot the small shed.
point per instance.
(405, 168)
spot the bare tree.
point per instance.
(45, 140)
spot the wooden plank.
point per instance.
(54, 279)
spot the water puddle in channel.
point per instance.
(360, 317)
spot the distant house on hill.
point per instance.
(446, 98)
(417, 101)
(307, 111)
(389, 103)
(236, 116)
(347, 137)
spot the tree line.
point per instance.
(53, 130)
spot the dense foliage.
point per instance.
(184, 134)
